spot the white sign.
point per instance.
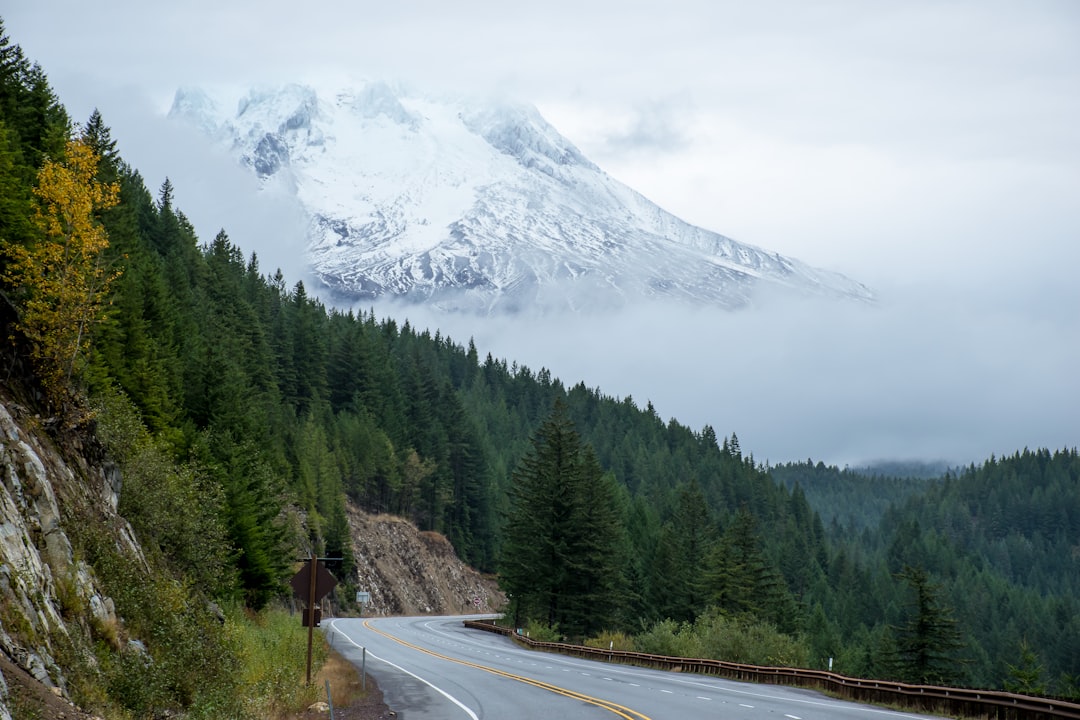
(362, 597)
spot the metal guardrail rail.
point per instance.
(955, 702)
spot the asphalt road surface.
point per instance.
(433, 668)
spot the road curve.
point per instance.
(433, 668)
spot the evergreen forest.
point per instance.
(246, 415)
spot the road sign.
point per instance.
(476, 601)
(301, 582)
(362, 597)
(309, 585)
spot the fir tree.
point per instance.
(561, 548)
(1027, 677)
(927, 644)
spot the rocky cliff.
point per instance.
(409, 572)
(50, 601)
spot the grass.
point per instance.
(273, 646)
(344, 678)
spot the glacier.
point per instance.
(476, 206)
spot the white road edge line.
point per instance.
(434, 687)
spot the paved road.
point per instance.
(432, 668)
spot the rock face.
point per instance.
(409, 572)
(44, 589)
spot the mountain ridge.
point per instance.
(477, 206)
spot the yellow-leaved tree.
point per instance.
(61, 277)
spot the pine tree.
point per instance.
(135, 346)
(928, 642)
(1027, 678)
(29, 107)
(16, 197)
(561, 553)
(596, 585)
(253, 495)
(98, 136)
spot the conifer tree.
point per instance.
(692, 533)
(16, 198)
(928, 642)
(561, 548)
(28, 105)
(1026, 678)
(737, 567)
(596, 584)
(98, 136)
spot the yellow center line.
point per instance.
(620, 710)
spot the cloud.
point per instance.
(657, 126)
(927, 149)
(920, 376)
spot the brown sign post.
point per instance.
(311, 584)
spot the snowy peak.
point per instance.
(377, 99)
(523, 134)
(480, 207)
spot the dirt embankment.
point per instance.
(409, 572)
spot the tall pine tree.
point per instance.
(561, 557)
(929, 640)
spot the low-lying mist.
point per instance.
(921, 375)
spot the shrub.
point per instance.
(671, 638)
(744, 640)
(543, 633)
(717, 636)
(609, 639)
(273, 644)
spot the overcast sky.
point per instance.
(928, 149)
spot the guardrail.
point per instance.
(952, 702)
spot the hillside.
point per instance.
(59, 496)
(52, 604)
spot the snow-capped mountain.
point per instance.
(476, 207)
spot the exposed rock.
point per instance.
(19, 690)
(43, 588)
(409, 572)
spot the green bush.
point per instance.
(744, 640)
(174, 508)
(671, 638)
(613, 640)
(720, 637)
(543, 633)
